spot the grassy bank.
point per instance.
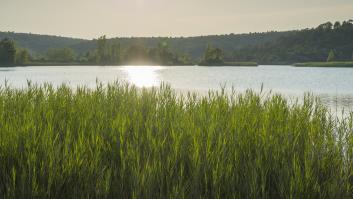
(121, 142)
(325, 64)
(86, 64)
(231, 64)
(48, 64)
(239, 64)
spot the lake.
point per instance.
(333, 85)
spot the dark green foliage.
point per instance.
(137, 54)
(194, 47)
(40, 44)
(191, 46)
(337, 25)
(60, 55)
(236, 64)
(91, 57)
(164, 55)
(333, 64)
(303, 46)
(121, 142)
(212, 56)
(308, 45)
(7, 52)
(102, 49)
(114, 54)
(22, 56)
(331, 56)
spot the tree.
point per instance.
(213, 55)
(115, 54)
(7, 52)
(165, 55)
(103, 51)
(308, 45)
(22, 56)
(107, 53)
(331, 56)
(337, 25)
(325, 26)
(61, 55)
(91, 56)
(183, 59)
(137, 54)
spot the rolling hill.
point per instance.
(192, 46)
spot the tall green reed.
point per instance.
(117, 141)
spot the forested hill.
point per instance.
(304, 46)
(195, 46)
(265, 48)
(191, 46)
(36, 43)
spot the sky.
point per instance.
(125, 18)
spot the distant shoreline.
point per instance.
(235, 64)
(337, 64)
(230, 64)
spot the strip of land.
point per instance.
(238, 64)
(325, 64)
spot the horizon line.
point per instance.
(175, 37)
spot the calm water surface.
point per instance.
(333, 85)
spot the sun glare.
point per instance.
(143, 76)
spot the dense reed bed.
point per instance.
(121, 142)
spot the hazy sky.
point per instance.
(92, 18)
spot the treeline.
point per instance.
(39, 44)
(105, 53)
(213, 56)
(10, 55)
(327, 42)
(113, 53)
(192, 46)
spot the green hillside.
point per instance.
(192, 46)
(195, 46)
(36, 43)
(307, 45)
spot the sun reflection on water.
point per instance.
(143, 76)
